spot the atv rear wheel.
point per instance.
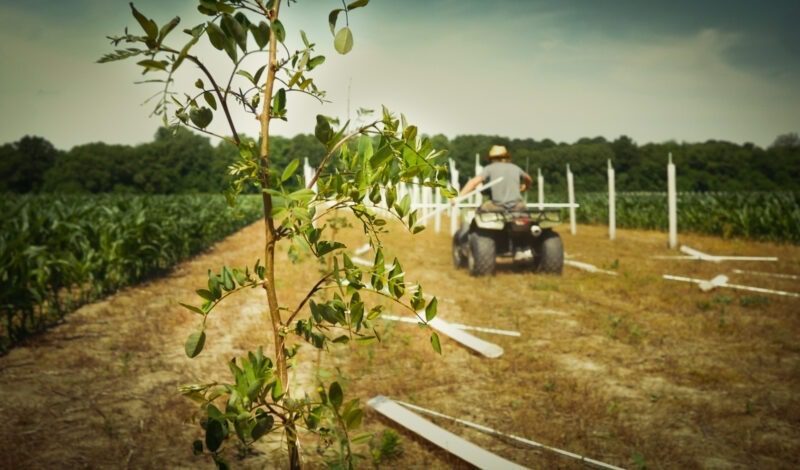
(459, 258)
(549, 253)
(481, 254)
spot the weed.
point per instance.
(387, 447)
(753, 301)
(722, 299)
(638, 461)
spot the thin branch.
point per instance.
(223, 103)
(333, 150)
(308, 296)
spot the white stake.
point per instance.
(496, 433)
(588, 267)
(571, 195)
(455, 325)
(448, 441)
(437, 223)
(540, 186)
(759, 273)
(454, 213)
(672, 204)
(720, 282)
(612, 204)
(699, 255)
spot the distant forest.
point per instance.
(179, 161)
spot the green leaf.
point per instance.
(304, 38)
(277, 390)
(353, 418)
(227, 279)
(323, 130)
(260, 34)
(153, 64)
(215, 434)
(343, 42)
(194, 343)
(280, 32)
(332, 17)
(234, 29)
(210, 99)
(263, 425)
(357, 4)
(197, 447)
(437, 346)
(216, 36)
(167, 28)
(430, 310)
(335, 395)
(201, 117)
(199, 84)
(206, 294)
(290, 169)
(279, 102)
(192, 308)
(149, 26)
(315, 61)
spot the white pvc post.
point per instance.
(571, 195)
(540, 184)
(478, 171)
(454, 213)
(612, 204)
(415, 194)
(672, 203)
(437, 222)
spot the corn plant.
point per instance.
(362, 167)
(57, 253)
(772, 216)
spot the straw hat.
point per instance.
(499, 151)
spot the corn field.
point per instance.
(57, 253)
(771, 216)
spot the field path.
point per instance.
(628, 369)
(100, 390)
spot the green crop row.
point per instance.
(772, 216)
(57, 253)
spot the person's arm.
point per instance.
(527, 181)
(471, 185)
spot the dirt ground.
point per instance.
(632, 370)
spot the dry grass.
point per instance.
(631, 370)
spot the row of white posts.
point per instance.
(428, 201)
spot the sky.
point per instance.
(652, 70)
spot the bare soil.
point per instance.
(631, 369)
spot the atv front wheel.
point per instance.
(549, 253)
(481, 254)
(459, 258)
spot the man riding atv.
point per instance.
(506, 194)
(504, 225)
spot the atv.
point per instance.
(526, 236)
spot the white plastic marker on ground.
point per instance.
(448, 441)
(455, 325)
(363, 249)
(759, 273)
(588, 267)
(496, 433)
(692, 254)
(721, 281)
(486, 348)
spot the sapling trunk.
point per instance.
(269, 247)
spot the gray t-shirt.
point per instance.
(507, 190)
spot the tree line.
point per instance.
(180, 161)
